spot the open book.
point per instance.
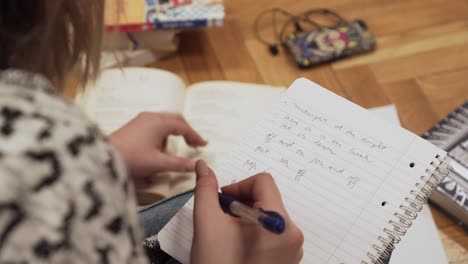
(352, 182)
(222, 112)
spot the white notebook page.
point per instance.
(222, 112)
(335, 165)
(423, 236)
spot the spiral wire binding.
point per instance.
(409, 210)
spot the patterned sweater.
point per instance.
(65, 196)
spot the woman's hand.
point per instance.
(142, 143)
(221, 238)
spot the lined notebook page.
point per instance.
(342, 173)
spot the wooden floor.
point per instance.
(421, 64)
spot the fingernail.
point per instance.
(201, 169)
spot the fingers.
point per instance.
(260, 189)
(166, 162)
(177, 125)
(206, 194)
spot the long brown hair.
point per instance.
(51, 37)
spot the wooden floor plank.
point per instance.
(232, 54)
(412, 42)
(442, 108)
(400, 16)
(455, 242)
(199, 61)
(362, 87)
(445, 85)
(277, 70)
(421, 64)
(414, 110)
(326, 77)
(441, 220)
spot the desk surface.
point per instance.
(421, 64)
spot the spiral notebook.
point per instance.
(352, 182)
(451, 134)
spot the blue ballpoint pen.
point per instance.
(271, 221)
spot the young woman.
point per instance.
(66, 194)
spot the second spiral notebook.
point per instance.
(352, 182)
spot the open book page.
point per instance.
(343, 173)
(121, 94)
(222, 112)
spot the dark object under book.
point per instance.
(451, 134)
(153, 218)
(156, 255)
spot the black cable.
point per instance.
(133, 40)
(272, 46)
(326, 12)
(273, 11)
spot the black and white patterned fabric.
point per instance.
(65, 196)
